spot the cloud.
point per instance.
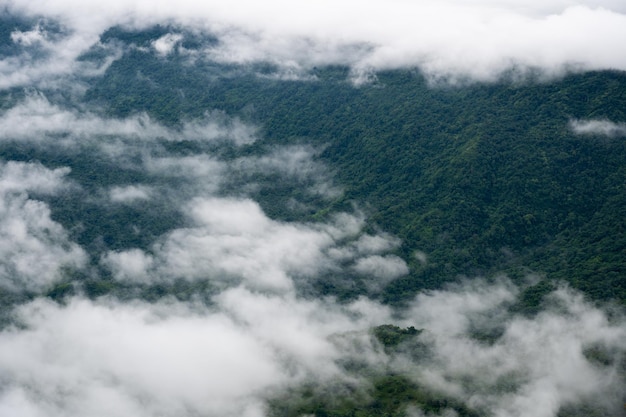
(20, 177)
(534, 366)
(129, 265)
(385, 268)
(294, 162)
(33, 248)
(445, 38)
(38, 120)
(171, 359)
(227, 239)
(201, 174)
(47, 56)
(73, 358)
(257, 335)
(598, 127)
(371, 244)
(232, 241)
(166, 43)
(129, 193)
(35, 36)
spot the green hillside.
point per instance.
(188, 237)
(480, 178)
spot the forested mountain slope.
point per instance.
(190, 226)
(477, 178)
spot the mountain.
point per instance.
(198, 219)
(480, 179)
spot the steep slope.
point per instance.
(477, 178)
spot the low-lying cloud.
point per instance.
(106, 358)
(233, 240)
(130, 194)
(166, 43)
(450, 39)
(256, 333)
(34, 249)
(534, 366)
(598, 127)
(36, 119)
(47, 59)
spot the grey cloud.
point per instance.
(218, 127)
(132, 143)
(37, 119)
(295, 161)
(203, 175)
(598, 127)
(137, 143)
(372, 244)
(131, 265)
(200, 251)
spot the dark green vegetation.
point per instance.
(482, 179)
(388, 395)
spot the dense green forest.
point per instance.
(482, 179)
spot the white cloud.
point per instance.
(453, 37)
(28, 38)
(385, 268)
(46, 60)
(231, 241)
(33, 248)
(73, 358)
(537, 366)
(182, 359)
(129, 194)
(598, 127)
(371, 244)
(38, 120)
(131, 265)
(106, 358)
(19, 177)
(295, 162)
(166, 43)
(110, 358)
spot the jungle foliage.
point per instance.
(483, 179)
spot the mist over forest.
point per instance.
(313, 208)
